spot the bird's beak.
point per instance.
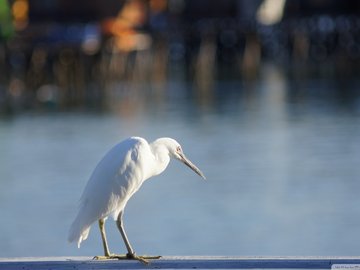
(188, 163)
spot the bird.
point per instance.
(115, 179)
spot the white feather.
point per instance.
(119, 174)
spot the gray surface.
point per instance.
(178, 263)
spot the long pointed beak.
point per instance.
(188, 163)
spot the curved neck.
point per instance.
(161, 156)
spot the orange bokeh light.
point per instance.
(20, 10)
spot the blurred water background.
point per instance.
(264, 97)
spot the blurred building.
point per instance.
(65, 53)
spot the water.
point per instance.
(281, 158)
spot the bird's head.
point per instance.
(176, 152)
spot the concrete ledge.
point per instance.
(178, 262)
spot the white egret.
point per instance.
(115, 179)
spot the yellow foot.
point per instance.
(111, 257)
(143, 259)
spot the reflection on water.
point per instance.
(281, 157)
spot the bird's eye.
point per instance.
(178, 149)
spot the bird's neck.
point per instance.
(161, 157)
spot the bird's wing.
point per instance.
(115, 179)
(118, 175)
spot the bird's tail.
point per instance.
(78, 232)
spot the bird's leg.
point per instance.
(107, 254)
(103, 236)
(104, 241)
(120, 226)
(131, 254)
